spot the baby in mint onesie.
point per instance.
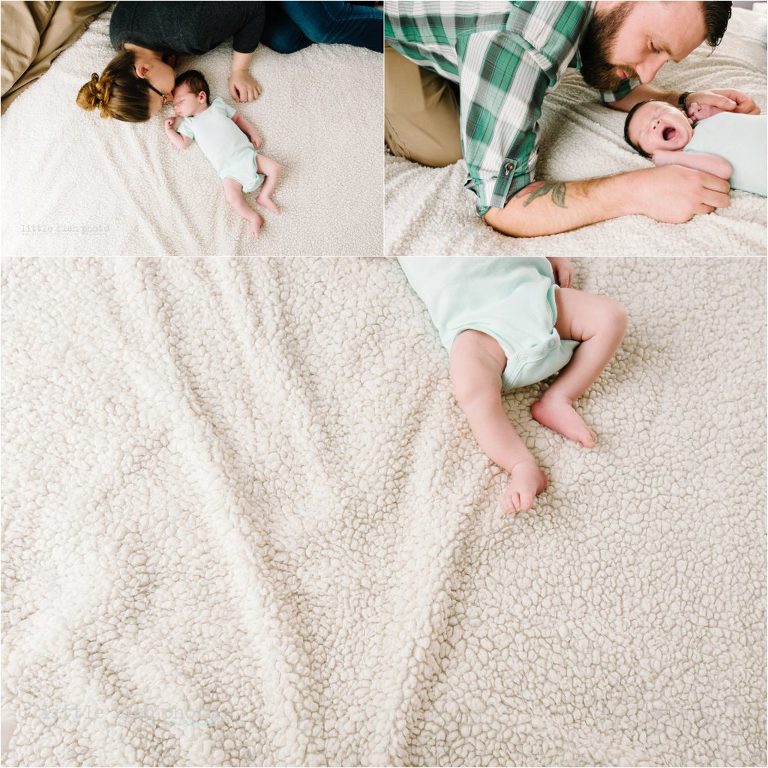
(510, 322)
(228, 140)
(726, 144)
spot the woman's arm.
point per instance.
(699, 161)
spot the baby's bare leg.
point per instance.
(233, 191)
(271, 170)
(477, 362)
(599, 323)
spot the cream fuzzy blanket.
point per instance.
(245, 522)
(428, 212)
(74, 184)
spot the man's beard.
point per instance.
(595, 47)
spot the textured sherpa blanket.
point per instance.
(428, 212)
(74, 184)
(245, 522)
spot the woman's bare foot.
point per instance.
(256, 223)
(558, 414)
(265, 201)
(528, 481)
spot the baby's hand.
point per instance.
(169, 123)
(563, 270)
(255, 139)
(702, 111)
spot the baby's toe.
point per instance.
(526, 502)
(590, 440)
(513, 502)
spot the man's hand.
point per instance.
(563, 270)
(675, 194)
(725, 99)
(242, 87)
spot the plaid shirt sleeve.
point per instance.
(502, 82)
(504, 75)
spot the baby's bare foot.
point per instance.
(528, 481)
(256, 223)
(265, 201)
(558, 414)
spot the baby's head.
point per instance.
(654, 125)
(191, 94)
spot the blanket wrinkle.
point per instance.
(425, 646)
(311, 482)
(208, 589)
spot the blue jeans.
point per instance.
(291, 26)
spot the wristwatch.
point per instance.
(681, 100)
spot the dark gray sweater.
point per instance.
(192, 28)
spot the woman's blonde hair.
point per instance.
(119, 92)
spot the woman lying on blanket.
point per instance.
(138, 81)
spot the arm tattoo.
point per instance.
(558, 193)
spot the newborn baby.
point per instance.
(507, 323)
(228, 140)
(726, 144)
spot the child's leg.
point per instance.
(599, 323)
(233, 191)
(477, 362)
(271, 169)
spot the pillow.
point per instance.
(23, 25)
(34, 34)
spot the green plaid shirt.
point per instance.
(505, 56)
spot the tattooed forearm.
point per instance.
(558, 193)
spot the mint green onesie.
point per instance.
(511, 299)
(739, 139)
(224, 144)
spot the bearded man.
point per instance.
(468, 79)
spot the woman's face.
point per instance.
(160, 76)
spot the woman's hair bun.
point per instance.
(94, 94)
(119, 93)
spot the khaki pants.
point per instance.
(421, 113)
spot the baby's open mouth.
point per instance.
(668, 133)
